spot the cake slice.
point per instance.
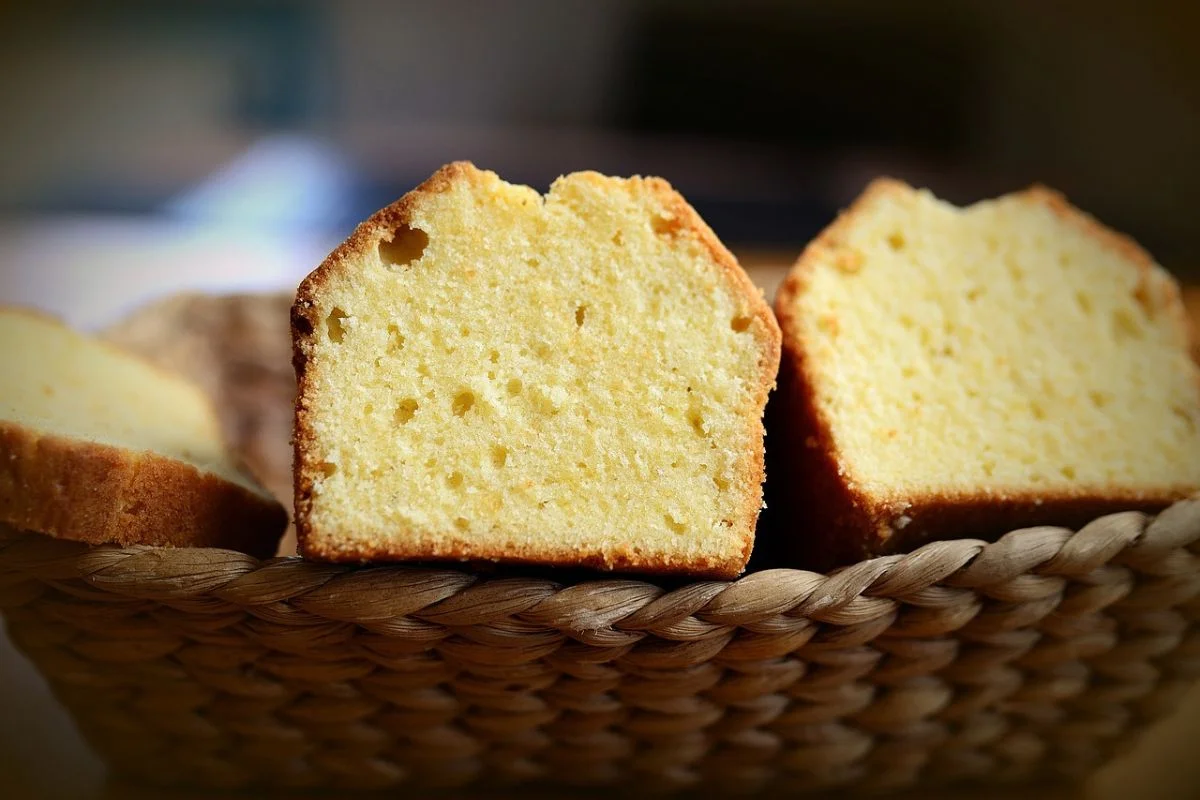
(99, 446)
(575, 379)
(957, 372)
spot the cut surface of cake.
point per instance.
(957, 372)
(576, 379)
(99, 446)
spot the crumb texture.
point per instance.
(574, 378)
(1010, 349)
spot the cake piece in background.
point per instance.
(574, 379)
(99, 446)
(954, 372)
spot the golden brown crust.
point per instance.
(831, 522)
(325, 549)
(101, 494)
(684, 221)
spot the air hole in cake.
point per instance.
(335, 325)
(499, 456)
(618, 239)
(395, 339)
(405, 410)
(849, 262)
(533, 262)
(664, 225)
(673, 524)
(423, 370)
(740, 323)
(907, 322)
(989, 468)
(328, 469)
(896, 241)
(580, 315)
(494, 356)
(462, 523)
(1125, 326)
(1141, 296)
(1037, 410)
(462, 403)
(721, 484)
(454, 480)
(406, 246)
(1084, 302)
(464, 330)
(368, 409)
(1099, 399)
(1068, 473)
(696, 420)
(514, 386)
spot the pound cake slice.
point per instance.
(575, 379)
(99, 446)
(957, 372)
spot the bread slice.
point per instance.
(959, 372)
(576, 379)
(99, 446)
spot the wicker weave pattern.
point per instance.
(1038, 654)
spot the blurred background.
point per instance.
(222, 143)
(150, 147)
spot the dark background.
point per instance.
(769, 116)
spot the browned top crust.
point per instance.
(97, 493)
(380, 227)
(829, 522)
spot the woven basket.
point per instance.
(1035, 656)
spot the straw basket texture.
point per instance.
(1036, 656)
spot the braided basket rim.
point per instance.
(592, 603)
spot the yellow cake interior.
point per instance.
(1000, 348)
(537, 374)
